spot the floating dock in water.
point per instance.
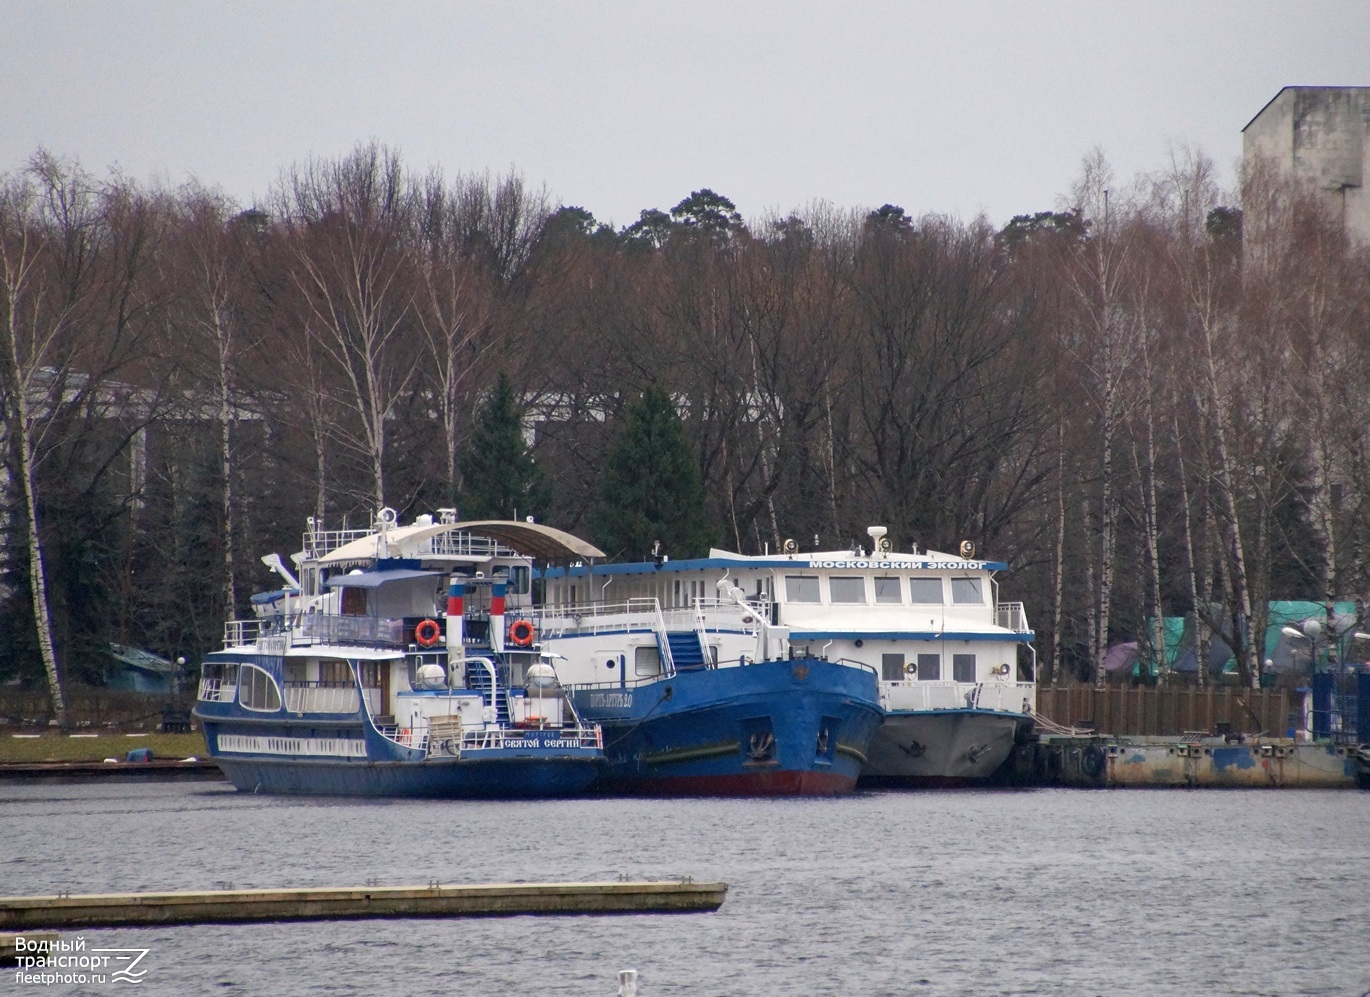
(1179, 762)
(109, 910)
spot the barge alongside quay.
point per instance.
(1196, 762)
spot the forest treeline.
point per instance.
(1148, 404)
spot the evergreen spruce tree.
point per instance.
(651, 488)
(500, 479)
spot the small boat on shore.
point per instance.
(383, 671)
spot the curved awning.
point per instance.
(531, 539)
(543, 542)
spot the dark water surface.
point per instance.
(1027, 892)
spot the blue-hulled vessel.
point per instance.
(384, 670)
(698, 693)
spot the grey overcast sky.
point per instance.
(957, 107)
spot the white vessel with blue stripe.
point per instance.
(388, 669)
(956, 666)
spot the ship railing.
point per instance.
(645, 613)
(324, 628)
(864, 666)
(704, 614)
(1012, 616)
(640, 613)
(321, 697)
(320, 543)
(459, 543)
(217, 690)
(1006, 697)
(239, 632)
(455, 543)
(493, 737)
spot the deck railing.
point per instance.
(322, 542)
(455, 544)
(321, 697)
(322, 628)
(482, 738)
(1012, 616)
(1009, 697)
(644, 613)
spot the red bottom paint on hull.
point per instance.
(922, 782)
(747, 784)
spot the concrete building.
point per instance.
(1322, 135)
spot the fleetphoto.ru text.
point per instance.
(67, 961)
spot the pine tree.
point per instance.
(500, 479)
(651, 488)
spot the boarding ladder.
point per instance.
(481, 679)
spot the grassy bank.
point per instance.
(54, 747)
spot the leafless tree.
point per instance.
(348, 221)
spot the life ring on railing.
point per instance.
(521, 633)
(427, 633)
(404, 735)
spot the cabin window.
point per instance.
(257, 690)
(847, 590)
(925, 591)
(220, 671)
(371, 673)
(675, 593)
(334, 671)
(888, 590)
(929, 667)
(520, 580)
(353, 601)
(963, 667)
(892, 667)
(646, 662)
(801, 588)
(967, 592)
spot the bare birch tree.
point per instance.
(348, 221)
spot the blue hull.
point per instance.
(383, 768)
(438, 778)
(796, 727)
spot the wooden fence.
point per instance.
(1159, 711)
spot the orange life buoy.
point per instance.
(426, 634)
(521, 633)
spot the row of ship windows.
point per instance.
(889, 590)
(926, 668)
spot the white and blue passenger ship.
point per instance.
(388, 669)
